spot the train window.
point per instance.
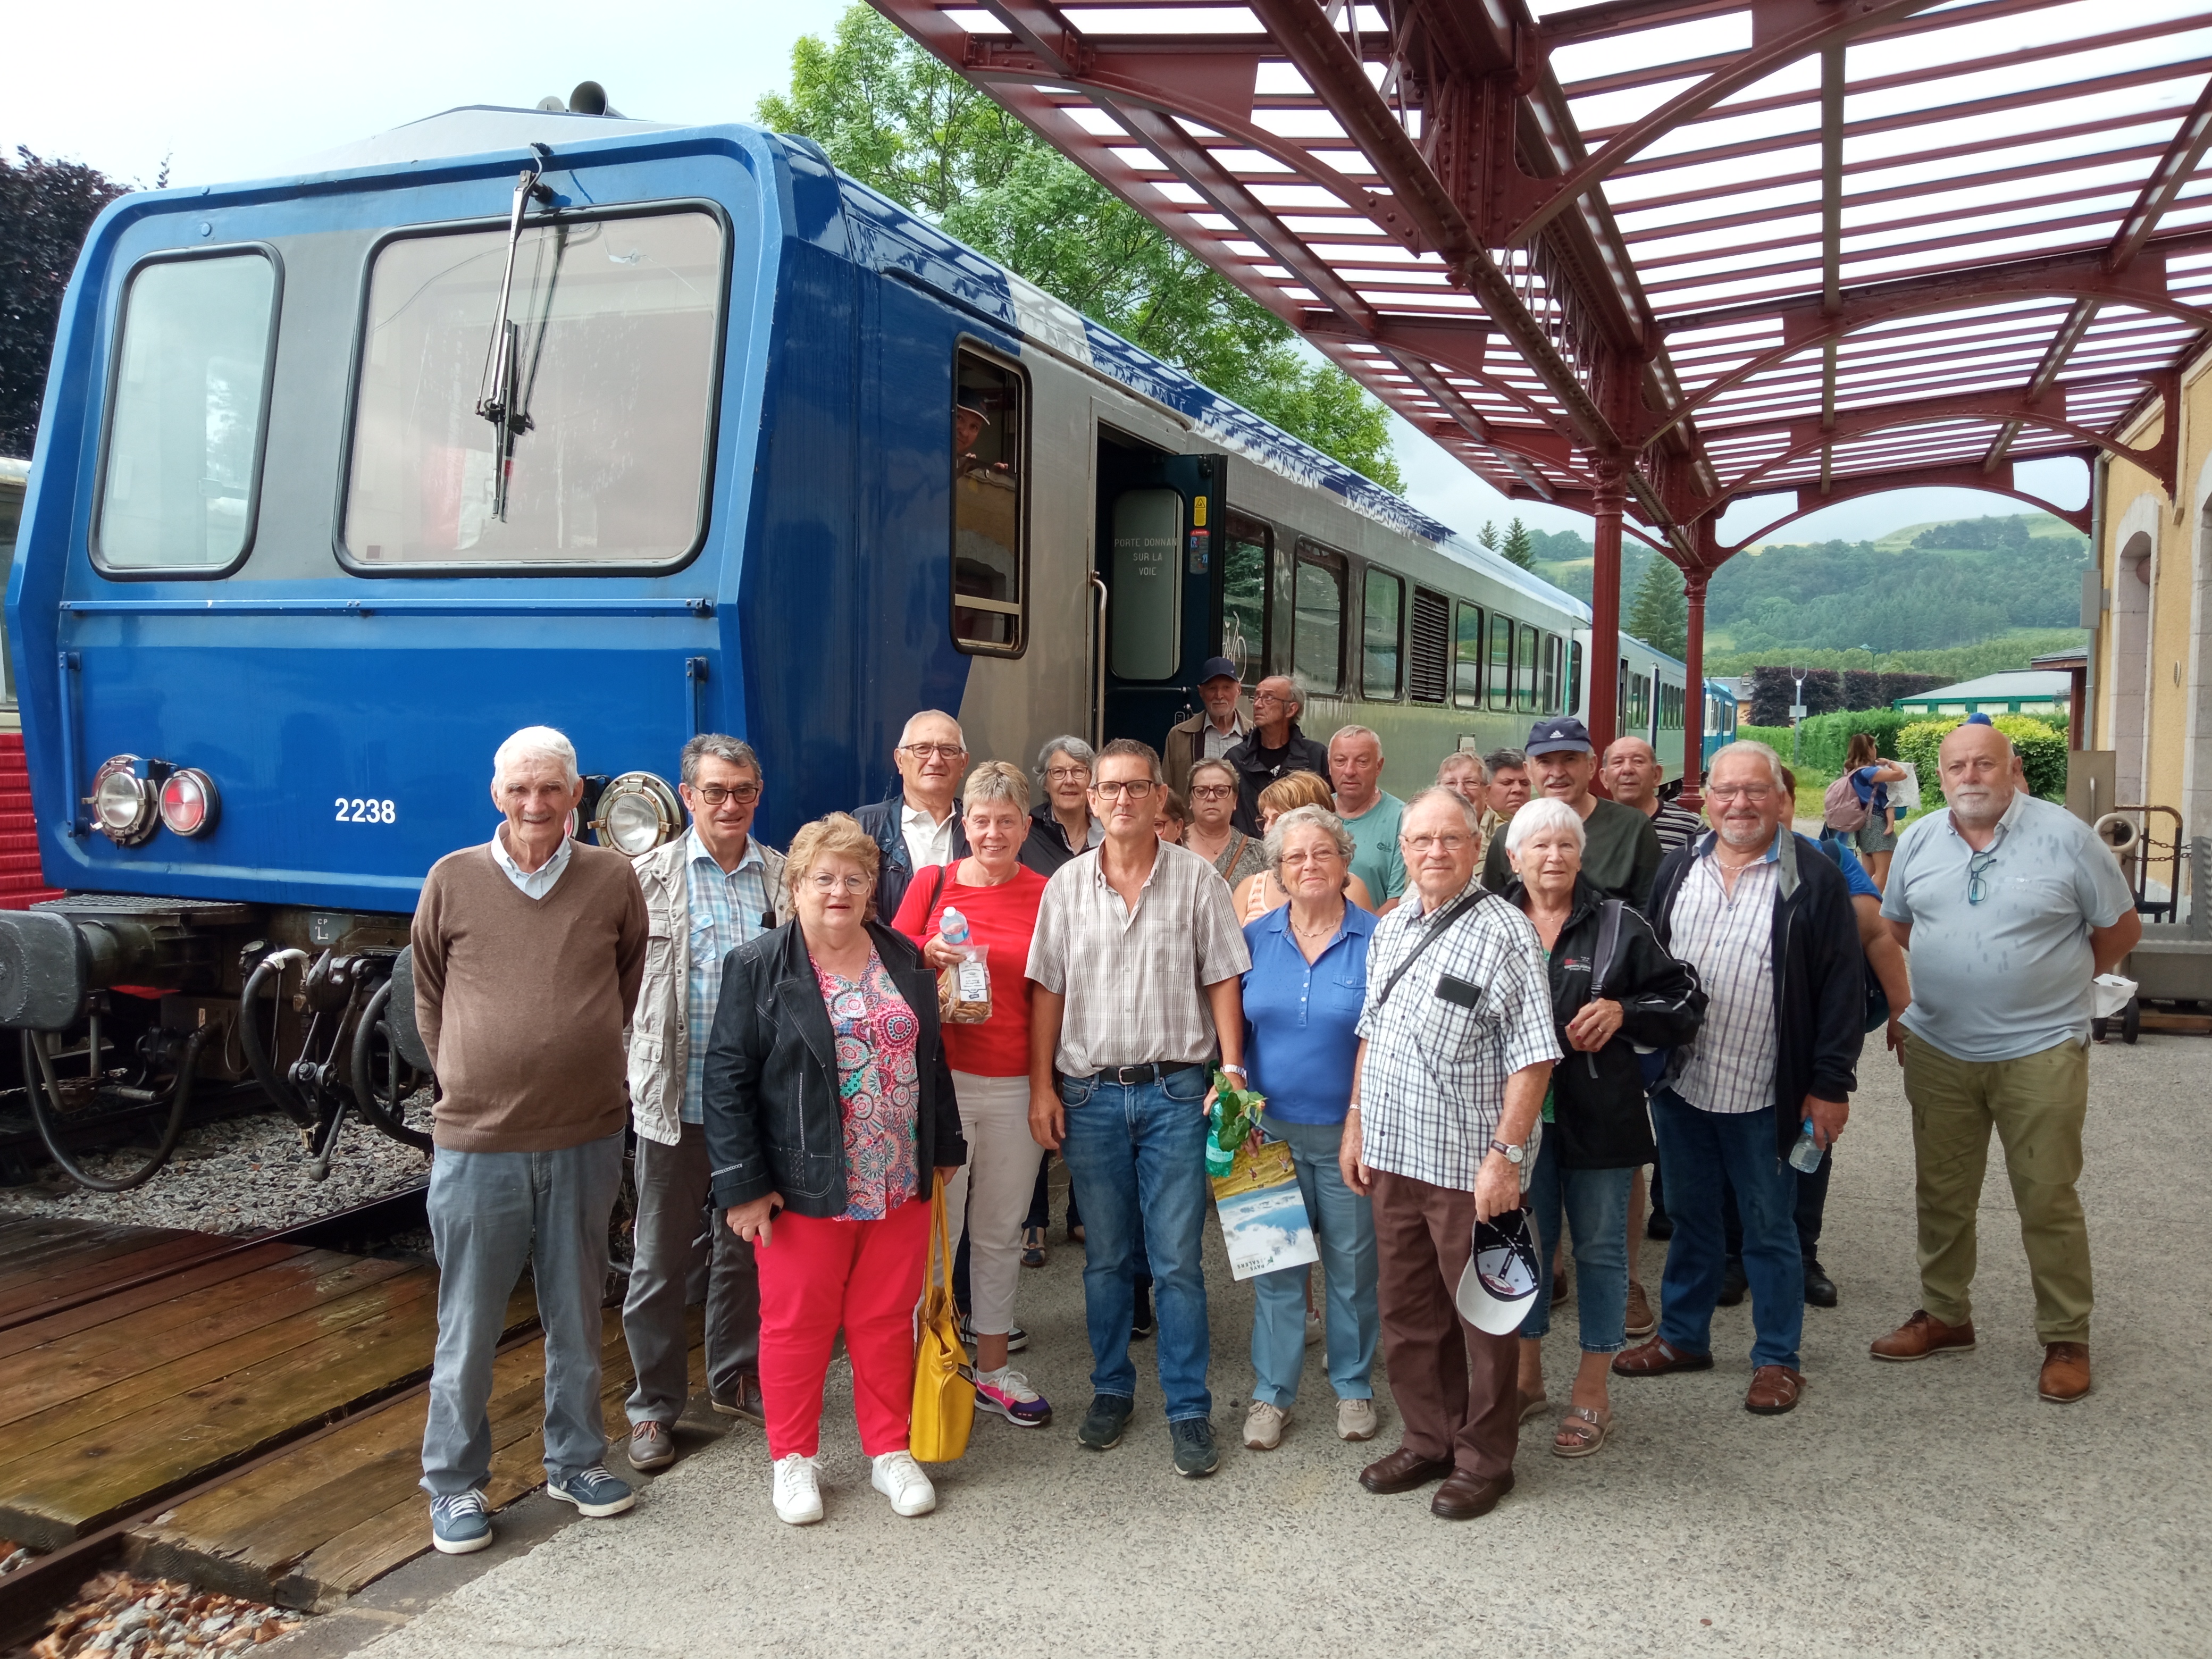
(1467, 657)
(608, 374)
(1547, 694)
(186, 420)
(1378, 656)
(1524, 670)
(1428, 648)
(1499, 674)
(1639, 701)
(1282, 611)
(1574, 677)
(1244, 597)
(1320, 649)
(988, 468)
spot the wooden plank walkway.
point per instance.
(111, 1404)
(48, 1260)
(311, 1526)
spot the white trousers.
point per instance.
(1000, 1174)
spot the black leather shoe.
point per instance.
(1819, 1288)
(1465, 1494)
(1660, 1226)
(1402, 1471)
(1733, 1283)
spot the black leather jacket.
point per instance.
(772, 1122)
(1599, 1121)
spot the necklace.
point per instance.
(1317, 932)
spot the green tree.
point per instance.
(1487, 536)
(1658, 614)
(46, 208)
(893, 116)
(1518, 546)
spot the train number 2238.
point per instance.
(354, 810)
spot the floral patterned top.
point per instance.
(879, 1088)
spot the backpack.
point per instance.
(1841, 809)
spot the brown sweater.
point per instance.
(521, 1001)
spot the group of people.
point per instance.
(1496, 1001)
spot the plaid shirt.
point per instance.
(1729, 940)
(1135, 979)
(725, 912)
(1475, 1008)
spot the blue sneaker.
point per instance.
(460, 1525)
(593, 1491)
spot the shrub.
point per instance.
(1828, 737)
(2041, 747)
(1776, 738)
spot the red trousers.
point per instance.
(815, 1276)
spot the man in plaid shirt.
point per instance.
(1457, 1049)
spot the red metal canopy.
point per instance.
(1654, 256)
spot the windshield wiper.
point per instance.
(495, 398)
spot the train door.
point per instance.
(1158, 575)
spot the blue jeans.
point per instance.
(489, 1214)
(1344, 1228)
(1696, 1147)
(1136, 1157)
(1596, 1202)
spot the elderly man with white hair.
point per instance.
(528, 953)
(918, 824)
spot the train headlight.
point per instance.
(637, 812)
(123, 807)
(190, 802)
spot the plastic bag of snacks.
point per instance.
(964, 990)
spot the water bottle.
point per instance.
(1805, 1155)
(953, 927)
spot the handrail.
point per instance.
(73, 825)
(1098, 690)
(400, 607)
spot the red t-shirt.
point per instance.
(1002, 917)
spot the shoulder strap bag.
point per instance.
(1437, 931)
(944, 1394)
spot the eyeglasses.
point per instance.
(1978, 866)
(950, 751)
(1258, 698)
(713, 794)
(823, 882)
(1212, 791)
(1315, 855)
(1751, 792)
(1136, 791)
(1069, 775)
(1449, 843)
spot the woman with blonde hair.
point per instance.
(829, 1104)
(1258, 893)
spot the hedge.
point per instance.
(2040, 745)
(1828, 737)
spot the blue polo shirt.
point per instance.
(1301, 1018)
(2000, 954)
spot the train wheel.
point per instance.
(44, 1090)
(382, 1079)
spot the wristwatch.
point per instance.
(1238, 1070)
(1512, 1154)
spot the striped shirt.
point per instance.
(1675, 826)
(1729, 940)
(1135, 979)
(727, 911)
(1475, 1008)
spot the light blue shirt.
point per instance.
(1376, 857)
(2009, 975)
(537, 883)
(727, 910)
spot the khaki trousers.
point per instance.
(2037, 1104)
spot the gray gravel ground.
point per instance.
(243, 1174)
(1938, 1509)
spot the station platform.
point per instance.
(1935, 1509)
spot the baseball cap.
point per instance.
(1560, 737)
(971, 404)
(1500, 1285)
(1979, 719)
(1214, 668)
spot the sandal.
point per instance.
(1581, 1433)
(1533, 1404)
(1033, 1247)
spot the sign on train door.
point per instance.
(1159, 560)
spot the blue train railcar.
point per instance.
(1648, 698)
(1720, 718)
(518, 417)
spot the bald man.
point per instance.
(1633, 775)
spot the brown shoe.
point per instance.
(1921, 1336)
(1466, 1494)
(1402, 1471)
(1658, 1357)
(1774, 1390)
(2065, 1376)
(745, 1402)
(1641, 1322)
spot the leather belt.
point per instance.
(1151, 1071)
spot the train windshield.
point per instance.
(615, 328)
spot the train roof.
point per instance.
(891, 238)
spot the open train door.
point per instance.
(1159, 567)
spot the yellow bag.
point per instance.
(943, 1394)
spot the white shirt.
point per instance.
(535, 883)
(927, 841)
(1729, 937)
(1216, 742)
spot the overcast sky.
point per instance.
(242, 89)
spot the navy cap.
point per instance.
(1215, 668)
(1978, 719)
(1560, 737)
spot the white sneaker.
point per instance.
(797, 1491)
(899, 1479)
(1263, 1426)
(1355, 1419)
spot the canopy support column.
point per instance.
(1606, 503)
(1693, 690)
